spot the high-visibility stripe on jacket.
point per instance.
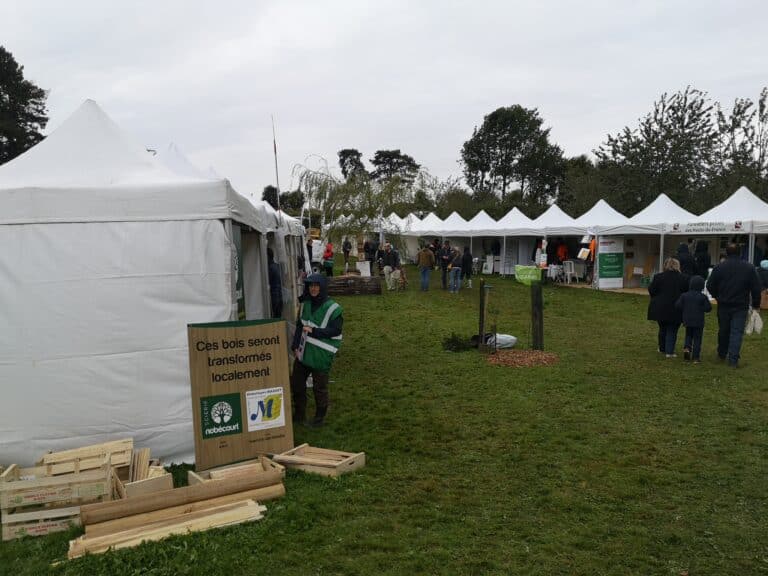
(319, 352)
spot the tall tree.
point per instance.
(393, 164)
(351, 163)
(292, 202)
(511, 149)
(23, 114)
(269, 195)
(671, 151)
(582, 186)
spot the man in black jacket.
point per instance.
(732, 283)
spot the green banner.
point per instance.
(611, 264)
(527, 274)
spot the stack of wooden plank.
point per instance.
(354, 285)
(34, 502)
(321, 460)
(218, 497)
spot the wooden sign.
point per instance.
(241, 394)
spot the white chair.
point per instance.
(569, 271)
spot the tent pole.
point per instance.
(661, 252)
(751, 253)
(503, 256)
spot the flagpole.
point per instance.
(277, 175)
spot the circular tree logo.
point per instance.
(221, 412)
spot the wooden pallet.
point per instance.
(321, 460)
(33, 503)
(354, 285)
(250, 468)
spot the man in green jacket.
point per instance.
(315, 343)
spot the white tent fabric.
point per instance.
(651, 219)
(455, 225)
(174, 159)
(430, 225)
(601, 214)
(109, 256)
(481, 224)
(515, 223)
(555, 222)
(739, 211)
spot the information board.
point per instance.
(610, 262)
(241, 399)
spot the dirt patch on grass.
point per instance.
(522, 358)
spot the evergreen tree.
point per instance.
(23, 113)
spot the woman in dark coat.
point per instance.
(687, 263)
(666, 287)
(703, 259)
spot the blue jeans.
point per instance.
(455, 279)
(425, 278)
(668, 336)
(693, 337)
(731, 323)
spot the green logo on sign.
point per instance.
(220, 415)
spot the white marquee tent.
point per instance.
(108, 255)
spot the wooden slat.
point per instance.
(306, 460)
(94, 513)
(149, 485)
(47, 513)
(137, 520)
(95, 450)
(321, 460)
(243, 512)
(89, 485)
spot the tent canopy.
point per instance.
(601, 214)
(651, 219)
(555, 222)
(89, 170)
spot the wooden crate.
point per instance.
(321, 460)
(250, 468)
(34, 503)
(88, 457)
(354, 285)
(39, 522)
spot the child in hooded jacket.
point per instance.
(694, 304)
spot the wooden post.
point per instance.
(537, 316)
(481, 333)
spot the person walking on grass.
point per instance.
(666, 287)
(425, 260)
(444, 257)
(693, 305)
(732, 283)
(455, 280)
(315, 342)
(390, 260)
(466, 266)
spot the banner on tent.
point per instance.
(610, 262)
(240, 390)
(733, 227)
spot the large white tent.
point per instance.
(601, 214)
(108, 255)
(555, 222)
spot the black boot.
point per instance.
(319, 418)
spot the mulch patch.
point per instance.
(522, 358)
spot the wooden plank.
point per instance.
(93, 513)
(149, 485)
(194, 478)
(113, 447)
(139, 464)
(244, 512)
(155, 471)
(44, 514)
(288, 460)
(12, 473)
(137, 520)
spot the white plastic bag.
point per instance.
(754, 323)
(757, 321)
(500, 341)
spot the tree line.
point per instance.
(688, 146)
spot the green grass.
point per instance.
(612, 461)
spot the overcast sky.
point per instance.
(417, 76)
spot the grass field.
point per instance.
(613, 461)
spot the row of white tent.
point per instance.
(108, 252)
(742, 212)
